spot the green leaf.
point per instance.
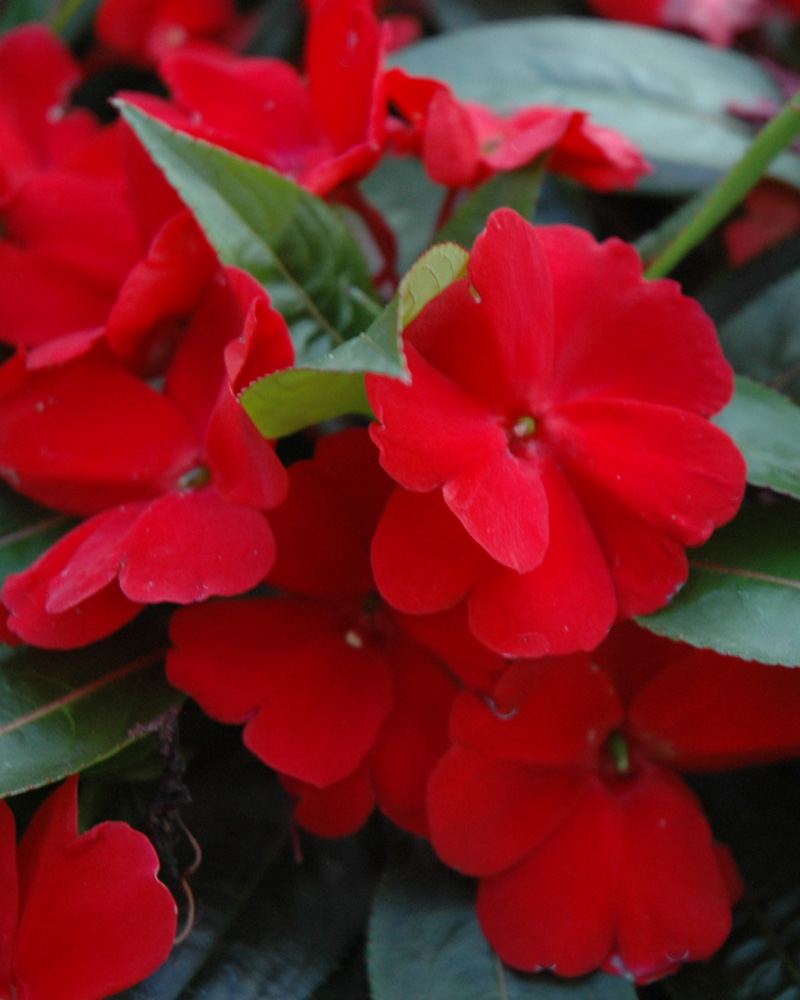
(743, 592)
(61, 712)
(67, 17)
(668, 93)
(766, 427)
(763, 339)
(754, 812)
(425, 943)
(292, 242)
(269, 924)
(517, 189)
(26, 531)
(21, 11)
(286, 401)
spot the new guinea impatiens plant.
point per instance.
(397, 527)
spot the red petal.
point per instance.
(343, 62)
(432, 429)
(673, 904)
(88, 435)
(487, 814)
(336, 810)
(187, 547)
(165, 285)
(503, 506)
(95, 918)
(101, 610)
(323, 549)
(567, 603)
(550, 712)
(447, 635)
(422, 558)
(712, 712)
(557, 909)
(675, 470)
(9, 903)
(414, 735)
(620, 336)
(318, 698)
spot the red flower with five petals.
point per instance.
(553, 450)
(560, 794)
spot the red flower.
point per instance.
(321, 131)
(332, 691)
(82, 917)
(463, 143)
(146, 30)
(771, 213)
(559, 793)
(178, 481)
(718, 21)
(553, 448)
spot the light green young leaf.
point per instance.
(743, 593)
(425, 942)
(333, 385)
(669, 94)
(292, 242)
(766, 427)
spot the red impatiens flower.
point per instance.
(560, 794)
(333, 692)
(321, 131)
(147, 30)
(462, 143)
(553, 448)
(718, 21)
(178, 482)
(81, 917)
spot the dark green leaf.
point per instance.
(67, 17)
(269, 926)
(410, 203)
(333, 385)
(755, 812)
(61, 712)
(518, 189)
(21, 11)
(668, 93)
(743, 592)
(425, 943)
(26, 531)
(292, 242)
(763, 339)
(766, 427)
(453, 14)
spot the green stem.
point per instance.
(770, 141)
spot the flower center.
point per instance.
(195, 479)
(617, 754)
(524, 427)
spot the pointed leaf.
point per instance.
(425, 942)
(669, 94)
(292, 242)
(743, 592)
(61, 712)
(26, 531)
(517, 189)
(333, 385)
(269, 925)
(766, 427)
